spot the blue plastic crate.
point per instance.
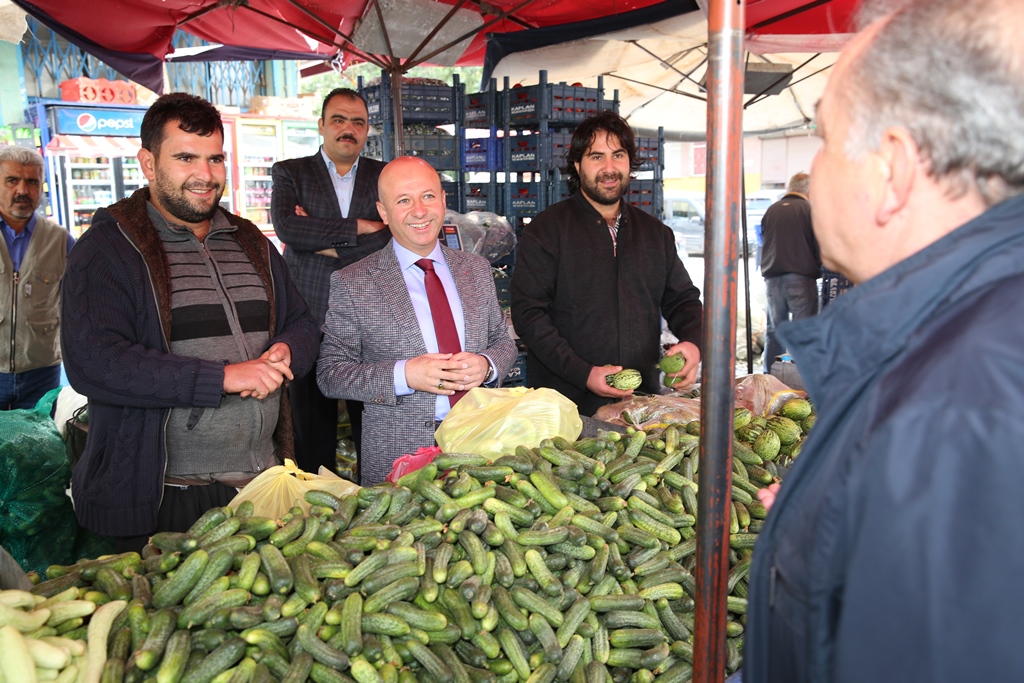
(646, 195)
(538, 152)
(453, 197)
(556, 103)
(559, 190)
(482, 154)
(483, 109)
(650, 152)
(525, 199)
(482, 197)
(374, 148)
(437, 150)
(420, 103)
(503, 288)
(516, 377)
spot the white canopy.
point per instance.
(657, 69)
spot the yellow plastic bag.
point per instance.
(277, 489)
(492, 422)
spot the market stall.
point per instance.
(573, 559)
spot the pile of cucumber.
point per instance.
(572, 561)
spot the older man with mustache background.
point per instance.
(33, 254)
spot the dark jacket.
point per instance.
(116, 323)
(576, 304)
(789, 243)
(307, 182)
(892, 551)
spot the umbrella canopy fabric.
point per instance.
(135, 36)
(658, 67)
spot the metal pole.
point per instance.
(396, 74)
(725, 85)
(746, 271)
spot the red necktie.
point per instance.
(441, 312)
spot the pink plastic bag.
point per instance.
(410, 463)
(764, 394)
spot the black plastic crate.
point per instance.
(437, 150)
(482, 197)
(538, 152)
(646, 195)
(650, 151)
(516, 377)
(483, 154)
(483, 110)
(556, 103)
(420, 103)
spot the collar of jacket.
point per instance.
(130, 214)
(586, 207)
(866, 327)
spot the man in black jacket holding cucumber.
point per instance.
(594, 275)
(890, 553)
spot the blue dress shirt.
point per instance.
(17, 243)
(343, 184)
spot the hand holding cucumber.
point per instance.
(685, 375)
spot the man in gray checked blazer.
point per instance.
(324, 209)
(380, 341)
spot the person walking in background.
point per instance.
(790, 263)
(324, 209)
(885, 556)
(594, 276)
(412, 327)
(34, 254)
(181, 325)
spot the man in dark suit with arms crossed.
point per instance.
(324, 209)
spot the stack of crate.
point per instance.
(424, 107)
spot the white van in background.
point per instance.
(684, 213)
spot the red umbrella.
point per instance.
(135, 36)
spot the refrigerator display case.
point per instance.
(259, 145)
(89, 184)
(90, 158)
(301, 139)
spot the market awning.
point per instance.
(94, 145)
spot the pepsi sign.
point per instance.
(99, 121)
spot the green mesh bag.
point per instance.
(56, 544)
(34, 472)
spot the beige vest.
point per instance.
(30, 310)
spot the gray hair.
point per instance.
(800, 182)
(950, 73)
(26, 156)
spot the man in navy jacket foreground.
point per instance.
(887, 553)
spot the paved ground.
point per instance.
(695, 267)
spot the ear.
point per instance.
(320, 125)
(382, 212)
(148, 164)
(900, 165)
